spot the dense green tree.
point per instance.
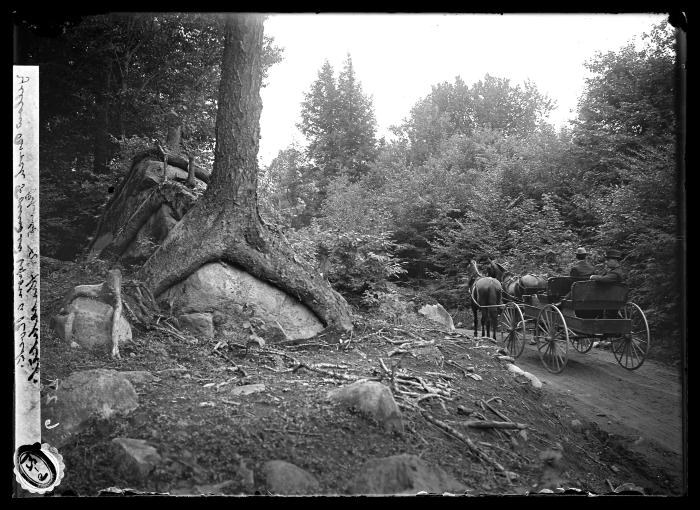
(356, 123)
(455, 108)
(287, 188)
(337, 119)
(624, 143)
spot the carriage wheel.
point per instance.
(552, 338)
(512, 326)
(582, 344)
(631, 349)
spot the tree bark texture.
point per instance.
(224, 224)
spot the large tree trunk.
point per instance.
(225, 224)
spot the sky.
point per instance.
(398, 57)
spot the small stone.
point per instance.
(199, 324)
(247, 389)
(135, 458)
(371, 398)
(284, 478)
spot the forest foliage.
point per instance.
(473, 170)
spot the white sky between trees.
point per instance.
(398, 57)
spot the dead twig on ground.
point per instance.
(394, 342)
(440, 374)
(481, 424)
(345, 377)
(277, 370)
(169, 332)
(417, 381)
(390, 373)
(496, 412)
(431, 395)
(473, 448)
(236, 367)
(590, 456)
(400, 330)
(311, 344)
(332, 365)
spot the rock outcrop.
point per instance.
(143, 210)
(223, 291)
(437, 313)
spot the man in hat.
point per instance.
(582, 268)
(613, 271)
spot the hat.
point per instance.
(613, 254)
(581, 251)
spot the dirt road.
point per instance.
(643, 406)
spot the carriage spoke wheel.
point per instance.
(631, 349)
(582, 343)
(512, 326)
(552, 338)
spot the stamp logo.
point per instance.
(39, 468)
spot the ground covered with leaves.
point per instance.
(452, 389)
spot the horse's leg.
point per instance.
(493, 322)
(475, 313)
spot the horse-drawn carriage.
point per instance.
(574, 311)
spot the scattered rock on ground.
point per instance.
(403, 474)
(536, 383)
(438, 314)
(429, 353)
(199, 324)
(371, 398)
(281, 477)
(247, 389)
(92, 324)
(98, 393)
(134, 458)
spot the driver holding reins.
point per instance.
(613, 272)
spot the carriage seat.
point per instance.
(559, 286)
(596, 299)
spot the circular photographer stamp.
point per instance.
(39, 468)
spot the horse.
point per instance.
(484, 292)
(515, 285)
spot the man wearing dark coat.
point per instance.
(582, 268)
(613, 272)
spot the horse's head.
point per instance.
(473, 272)
(498, 271)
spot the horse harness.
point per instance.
(472, 288)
